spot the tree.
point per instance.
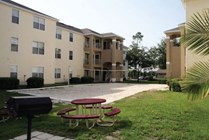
(197, 40)
(135, 53)
(161, 51)
(137, 38)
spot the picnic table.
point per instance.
(90, 109)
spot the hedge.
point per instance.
(9, 83)
(75, 80)
(35, 82)
(87, 79)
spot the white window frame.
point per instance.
(39, 23)
(15, 16)
(57, 73)
(38, 71)
(71, 37)
(13, 71)
(58, 33)
(58, 53)
(70, 55)
(14, 44)
(38, 48)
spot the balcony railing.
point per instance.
(97, 45)
(87, 44)
(86, 61)
(97, 61)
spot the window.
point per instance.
(97, 59)
(71, 37)
(70, 55)
(57, 53)
(176, 42)
(38, 23)
(97, 44)
(38, 47)
(86, 72)
(58, 33)
(13, 71)
(86, 59)
(57, 73)
(14, 44)
(15, 16)
(38, 72)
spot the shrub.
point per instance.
(87, 79)
(174, 85)
(75, 80)
(162, 81)
(35, 82)
(9, 83)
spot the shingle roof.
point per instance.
(111, 35)
(173, 30)
(24, 7)
(69, 27)
(89, 31)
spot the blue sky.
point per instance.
(123, 17)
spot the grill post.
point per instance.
(29, 127)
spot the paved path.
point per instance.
(109, 91)
(37, 135)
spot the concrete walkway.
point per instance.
(109, 91)
(36, 135)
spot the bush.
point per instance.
(75, 80)
(35, 82)
(87, 79)
(9, 83)
(174, 85)
(162, 81)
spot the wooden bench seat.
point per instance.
(113, 112)
(80, 116)
(64, 111)
(4, 114)
(77, 118)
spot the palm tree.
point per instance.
(197, 40)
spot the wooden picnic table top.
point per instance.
(86, 101)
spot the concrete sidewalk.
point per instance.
(36, 135)
(109, 91)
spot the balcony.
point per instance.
(97, 46)
(97, 62)
(86, 61)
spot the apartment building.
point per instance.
(176, 53)
(34, 44)
(192, 7)
(103, 58)
(179, 59)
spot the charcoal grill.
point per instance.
(29, 106)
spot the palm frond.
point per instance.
(197, 81)
(197, 33)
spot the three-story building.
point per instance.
(34, 44)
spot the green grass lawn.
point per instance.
(148, 115)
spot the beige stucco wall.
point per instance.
(75, 65)
(191, 7)
(26, 34)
